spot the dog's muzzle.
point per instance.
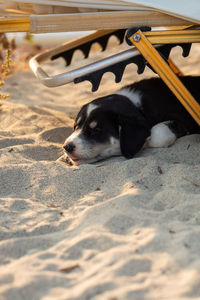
(69, 152)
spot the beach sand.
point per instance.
(117, 229)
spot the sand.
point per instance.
(117, 229)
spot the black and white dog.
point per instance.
(145, 113)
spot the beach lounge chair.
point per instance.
(135, 22)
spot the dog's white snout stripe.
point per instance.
(73, 136)
(78, 121)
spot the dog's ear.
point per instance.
(133, 134)
(134, 129)
(133, 126)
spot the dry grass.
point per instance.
(6, 49)
(5, 70)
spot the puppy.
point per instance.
(145, 113)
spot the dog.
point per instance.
(143, 114)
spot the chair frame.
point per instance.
(143, 42)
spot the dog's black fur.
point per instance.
(118, 117)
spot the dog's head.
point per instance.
(106, 127)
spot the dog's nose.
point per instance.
(69, 147)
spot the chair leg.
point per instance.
(174, 67)
(139, 40)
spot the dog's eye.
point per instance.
(96, 130)
(76, 127)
